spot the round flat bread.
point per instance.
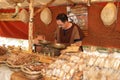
(46, 16)
(109, 14)
(24, 16)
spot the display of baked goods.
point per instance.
(70, 65)
(21, 58)
(104, 62)
(64, 67)
(102, 66)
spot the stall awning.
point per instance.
(16, 29)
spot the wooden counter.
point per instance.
(21, 76)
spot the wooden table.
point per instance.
(20, 76)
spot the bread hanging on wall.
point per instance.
(24, 16)
(109, 14)
(46, 16)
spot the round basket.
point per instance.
(31, 74)
(13, 67)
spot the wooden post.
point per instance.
(30, 32)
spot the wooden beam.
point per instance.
(30, 34)
(8, 17)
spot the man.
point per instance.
(67, 32)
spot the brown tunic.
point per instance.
(70, 35)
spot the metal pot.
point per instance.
(44, 42)
(58, 46)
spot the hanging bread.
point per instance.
(46, 16)
(24, 16)
(109, 14)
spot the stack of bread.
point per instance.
(69, 65)
(103, 67)
(65, 67)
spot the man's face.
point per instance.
(60, 23)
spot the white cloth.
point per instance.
(5, 73)
(72, 18)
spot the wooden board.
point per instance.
(8, 17)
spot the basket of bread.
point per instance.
(33, 70)
(15, 61)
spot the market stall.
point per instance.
(55, 61)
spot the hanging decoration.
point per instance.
(17, 4)
(24, 16)
(46, 16)
(16, 11)
(109, 14)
